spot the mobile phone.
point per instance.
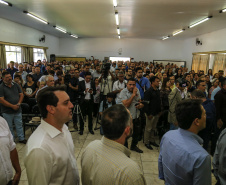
(90, 89)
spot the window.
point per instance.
(38, 54)
(13, 53)
(124, 59)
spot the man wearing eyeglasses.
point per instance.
(87, 89)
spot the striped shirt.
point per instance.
(106, 162)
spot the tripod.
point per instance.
(77, 112)
(101, 99)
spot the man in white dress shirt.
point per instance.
(49, 156)
(8, 156)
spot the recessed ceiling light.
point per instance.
(177, 32)
(36, 17)
(115, 3)
(197, 23)
(116, 18)
(60, 29)
(166, 37)
(5, 3)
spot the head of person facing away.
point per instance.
(117, 123)
(191, 115)
(198, 94)
(55, 106)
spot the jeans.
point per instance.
(15, 118)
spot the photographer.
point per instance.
(106, 79)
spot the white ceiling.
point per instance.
(148, 19)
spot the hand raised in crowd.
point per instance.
(90, 91)
(87, 89)
(70, 85)
(135, 91)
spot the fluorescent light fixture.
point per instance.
(166, 37)
(204, 20)
(75, 36)
(116, 18)
(5, 3)
(177, 32)
(119, 36)
(118, 31)
(35, 17)
(115, 3)
(222, 11)
(60, 29)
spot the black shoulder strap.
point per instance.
(139, 84)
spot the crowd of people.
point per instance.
(157, 98)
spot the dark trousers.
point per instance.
(136, 132)
(87, 109)
(217, 133)
(95, 109)
(205, 134)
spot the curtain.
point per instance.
(195, 62)
(204, 63)
(219, 63)
(3, 63)
(45, 53)
(27, 54)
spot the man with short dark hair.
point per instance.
(201, 85)
(182, 160)
(37, 74)
(107, 161)
(49, 156)
(152, 112)
(142, 83)
(87, 89)
(11, 69)
(86, 69)
(11, 97)
(130, 98)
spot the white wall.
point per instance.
(139, 49)
(17, 33)
(214, 41)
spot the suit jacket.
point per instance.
(82, 88)
(174, 98)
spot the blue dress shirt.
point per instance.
(144, 82)
(182, 160)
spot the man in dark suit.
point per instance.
(87, 89)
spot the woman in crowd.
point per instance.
(210, 74)
(164, 93)
(178, 74)
(96, 98)
(215, 84)
(159, 75)
(216, 75)
(170, 73)
(30, 88)
(18, 79)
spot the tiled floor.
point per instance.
(148, 161)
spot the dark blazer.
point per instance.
(154, 106)
(82, 88)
